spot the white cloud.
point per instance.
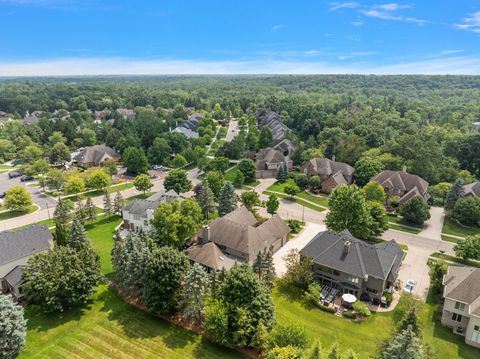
(390, 12)
(391, 7)
(450, 52)
(277, 27)
(120, 66)
(470, 23)
(357, 23)
(343, 5)
(311, 53)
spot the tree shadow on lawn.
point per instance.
(293, 294)
(41, 321)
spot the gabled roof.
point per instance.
(326, 167)
(187, 132)
(472, 189)
(209, 255)
(380, 260)
(403, 182)
(14, 277)
(268, 155)
(286, 146)
(95, 154)
(24, 242)
(272, 120)
(241, 231)
(140, 206)
(463, 284)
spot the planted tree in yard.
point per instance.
(206, 199)
(77, 235)
(74, 185)
(265, 137)
(239, 179)
(178, 181)
(110, 167)
(227, 201)
(454, 194)
(301, 180)
(411, 320)
(179, 161)
(438, 269)
(55, 179)
(282, 173)
(107, 203)
(315, 184)
(98, 179)
(39, 169)
(268, 269)
(247, 167)
(272, 204)
(250, 199)
(60, 234)
(216, 181)
(361, 309)
(374, 192)
(90, 210)
(405, 345)
(63, 212)
(17, 199)
(315, 351)
(257, 265)
(118, 203)
(13, 328)
(61, 278)
(217, 322)
(349, 210)
(379, 222)
(164, 269)
(289, 334)
(415, 211)
(134, 160)
(334, 352)
(80, 211)
(291, 189)
(143, 183)
(299, 269)
(468, 248)
(366, 168)
(195, 289)
(467, 211)
(59, 154)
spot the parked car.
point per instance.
(14, 174)
(26, 178)
(409, 286)
(157, 167)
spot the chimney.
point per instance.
(346, 247)
(205, 235)
(404, 168)
(333, 158)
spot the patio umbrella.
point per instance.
(349, 298)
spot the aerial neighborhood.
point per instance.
(255, 224)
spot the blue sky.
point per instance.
(76, 37)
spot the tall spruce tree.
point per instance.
(60, 234)
(268, 269)
(62, 213)
(90, 210)
(455, 192)
(195, 290)
(80, 211)
(206, 199)
(13, 328)
(77, 235)
(118, 203)
(411, 320)
(257, 265)
(227, 201)
(406, 345)
(282, 173)
(107, 203)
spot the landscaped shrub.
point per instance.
(289, 352)
(361, 309)
(313, 293)
(467, 210)
(388, 297)
(295, 225)
(301, 180)
(349, 315)
(326, 308)
(290, 334)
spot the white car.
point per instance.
(409, 286)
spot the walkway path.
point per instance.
(232, 131)
(433, 227)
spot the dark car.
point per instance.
(26, 178)
(2, 194)
(13, 174)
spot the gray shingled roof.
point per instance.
(268, 156)
(187, 132)
(472, 189)
(272, 120)
(380, 260)
(140, 206)
(210, 255)
(463, 284)
(96, 154)
(24, 242)
(14, 277)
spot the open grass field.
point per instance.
(280, 187)
(453, 228)
(12, 214)
(364, 337)
(110, 328)
(232, 172)
(297, 200)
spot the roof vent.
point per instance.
(346, 246)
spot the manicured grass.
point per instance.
(364, 337)
(297, 200)
(139, 196)
(452, 227)
(280, 187)
(404, 229)
(101, 233)
(7, 167)
(107, 328)
(450, 239)
(232, 172)
(453, 259)
(394, 222)
(12, 214)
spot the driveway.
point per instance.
(433, 227)
(301, 240)
(38, 198)
(232, 131)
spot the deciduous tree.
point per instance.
(143, 183)
(17, 198)
(178, 181)
(415, 211)
(272, 204)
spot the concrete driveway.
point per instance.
(433, 227)
(232, 131)
(301, 240)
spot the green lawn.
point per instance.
(453, 228)
(454, 259)
(364, 337)
(110, 328)
(280, 187)
(450, 239)
(395, 220)
(296, 200)
(101, 233)
(12, 214)
(96, 193)
(139, 196)
(232, 172)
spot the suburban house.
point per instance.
(237, 236)
(273, 121)
(125, 113)
(138, 213)
(268, 161)
(30, 119)
(331, 173)
(287, 147)
(353, 266)
(94, 156)
(16, 247)
(472, 189)
(402, 184)
(461, 309)
(189, 127)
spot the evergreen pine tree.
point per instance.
(13, 328)
(227, 201)
(118, 203)
(60, 234)
(206, 199)
(406, 345)
(90, 210)
(214, 283)
(77, 236)
(107, 203)
(411, 320)
(80, 211)
(455, 192)
(62, 213)
(257, 265)
(282, 173)
(260, 338)
(195, 289)
(268, 269)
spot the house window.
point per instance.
(373, 291)
(460, 306)
(457, 317)
(353, 279)
(476, 334)
(145, 223)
